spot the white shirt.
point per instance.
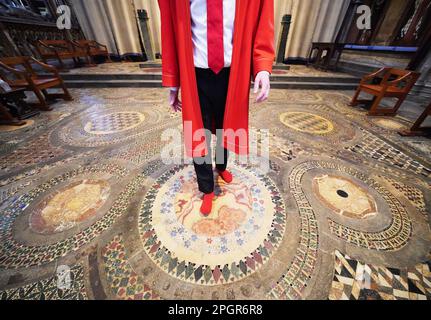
(198, 9)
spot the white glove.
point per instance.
(262, 81)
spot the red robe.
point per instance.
(253, 51)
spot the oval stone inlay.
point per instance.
(69, 206)
(344, 197)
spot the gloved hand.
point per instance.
(174, 100)
(262, 81)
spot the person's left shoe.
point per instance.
(226, 176)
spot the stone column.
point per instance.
(284, 35)
(146, 34)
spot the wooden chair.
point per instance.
(417, 129)
(19, 74)
(395, 83)
(94, 48)
(61, 50)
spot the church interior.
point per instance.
(89, 211)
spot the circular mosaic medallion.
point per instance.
(336, 187)
(307, 122)
(64, 210)
(344, 197)
(114, 122)
(102, 125)
(245, 227)
(17, 252)
(388, 124)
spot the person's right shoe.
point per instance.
(207, 204)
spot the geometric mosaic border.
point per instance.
(372, 147)
(294, 281)
(415, 195)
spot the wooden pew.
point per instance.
(94, 48)
(395, 83)
(61, 50)
(19, 74)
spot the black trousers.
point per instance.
(212, 89)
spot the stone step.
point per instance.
(158, 77)
(276, 66)
(317, 85)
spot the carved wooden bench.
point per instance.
(19, 74)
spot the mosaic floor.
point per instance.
(89, 210)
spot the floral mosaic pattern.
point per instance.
(237, 240)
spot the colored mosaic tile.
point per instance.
(49, 289)
(28, 154)
(412, 193)
(354, 280)
(294, 280)
(285, 150)
(14, 254)
(373, 147)
(124, 282)
(245, 228)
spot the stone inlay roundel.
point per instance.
(245, 227)
(344, 197)
(63, 210)
(307, 122)
(114, 122)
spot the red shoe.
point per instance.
(207, 204)
(226, 176)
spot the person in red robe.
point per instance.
(212, 49)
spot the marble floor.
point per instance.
(89, 210)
